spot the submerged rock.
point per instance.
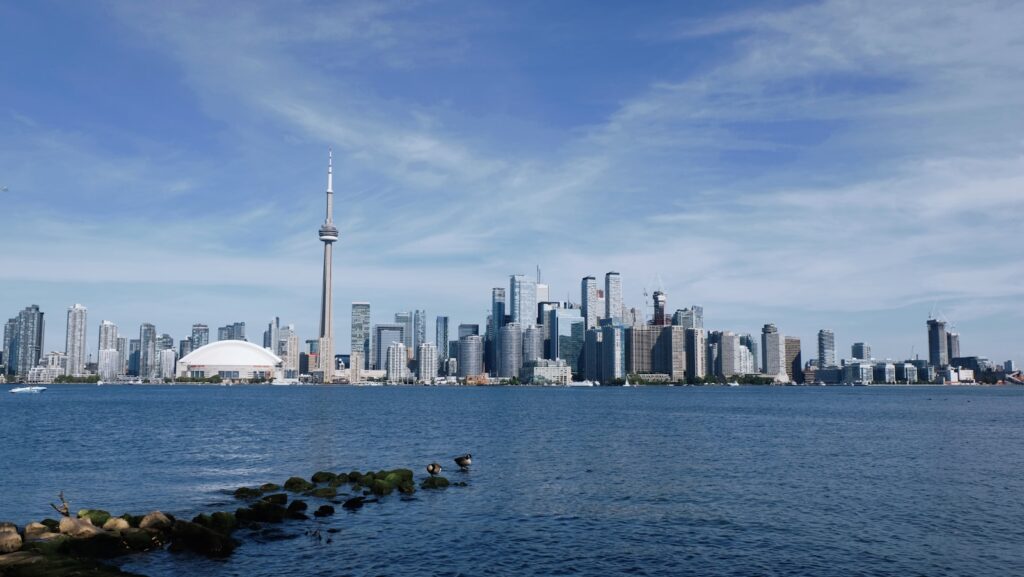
(297, 506)
(263, 512)
(248, 492)
(323, 493)
(324, 477)
(270, 487)
(324, 511)
(354, 503)
(437, 482)
(277, 498)
(186, 536)
(297, 485)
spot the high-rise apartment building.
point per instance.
(794, 362)
(441, 341)
(200, 335)
(696, 357)
(405, 319)
(522, 300)
(25, 347)
(938, 344)
(135, 357)
(74, 343)
(426, 362)
(231, 332)
(396, 362)
(471, 355)
(108, 337)
(533, 344)
(660, 302)
(613, 296)
(568, 337)
(494, 327)
(860, 351)
(588, 296)
(383, 335)
(147, 350)
(510, 359)
(360, 335)
(419, 328)
(773, 352)
(953, 345)
(826, 348)
(613, 352)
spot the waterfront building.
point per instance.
(858, 373)
(906, 373)
(613, 296)
(74, 343)
(884, 372)
(773, 352)
(533, 344)
(861, 351)
(426, 362)
(165, 365)
(728, 354)
(184, 347)
(952, 345)
(497, 321)
(660, 302)
(10, 330)
(108, 336)
(360, 332)
(546, 319)
(522, 300)
(288, 348)
(135, 357)
(383, 335)
(147, 352)
(613, 352)
(200, 336)
(567, 337)
(696, 345)
(794, 363)
(826, 348)
(232, 360)
(588, 296)
(122, 355)
(750, 357)
(510, 359)
(419, 328)
(547, 372)
(592, 353)
(938, 351)
(441, 338)
(1009, 367)
(653, 349)
(471, 356)
(396, 362)
(109, 364)
(164, 342)
(328, 234)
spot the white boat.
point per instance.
(28, 389)
(580, 384)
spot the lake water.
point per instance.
(641, 481)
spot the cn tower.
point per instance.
(328, 234)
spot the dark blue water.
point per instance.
(643, 481)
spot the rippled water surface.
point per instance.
(644, 481)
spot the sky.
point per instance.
(857, 166)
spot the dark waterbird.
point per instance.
(433, 469)
(464, 461)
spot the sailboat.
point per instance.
(626, 384)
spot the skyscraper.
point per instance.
(441, 340)
(861, 351)
(26, 346)
(328, 235)
(231, 332)
(510, 359)
(426, 362)
(135, 357)
(200, 335)
(533, 344)
(396, 360)
(466, 329)
(272, 336)
(471, 355)
(826, 348)
(419, 329)
(613, 352)
(794, 362)
(938, 345)
(108, 336)
(289, 347)
(953, 345)
(10, 329)
(405, 319)
(361, 332)
(494, 330)
(523, 300)
(696, 357)
(659, 308)
(588, 296)
(147, 350)
(773, 352)
(383, 335)
(613, 296)
(74, 344)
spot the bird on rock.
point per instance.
(464, 461)
(433, 469)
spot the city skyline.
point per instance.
(677, 148)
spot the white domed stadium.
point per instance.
(232, 361)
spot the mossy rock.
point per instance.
(99, 546)
(434, 483)
(270, 487)
(297, 485)
(323, 493)
(324, 477)
(297, 506)
(382, 487)
(356, 488)
(48, 547)
(406, 487)
(338, 481)
(368, 478)
(52, 524)
(133, 520)
(247, 493)
(264, 512)
(203, 519)
(187, 536)
(276, 498)
(224, 522)
(97, 516)
(355, 476)
(142, 539)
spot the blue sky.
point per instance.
(849, 165)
